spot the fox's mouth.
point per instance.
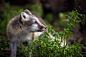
(40, 30)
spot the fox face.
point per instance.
(30, 22)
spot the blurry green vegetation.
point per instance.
(3, 44)
(62, 16)
(7, 14)
(48, 18)
(37, 9)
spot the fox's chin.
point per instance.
(39, 30)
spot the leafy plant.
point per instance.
(50, 47)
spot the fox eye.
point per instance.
(34, 22)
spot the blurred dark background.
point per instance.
(52, 11)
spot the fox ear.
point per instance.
(27, 11)
(24, 16)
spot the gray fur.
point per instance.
(21, 29)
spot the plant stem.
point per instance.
(64, 40)
(67, 41)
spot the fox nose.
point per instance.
(45, 27)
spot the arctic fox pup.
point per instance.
(22, 28)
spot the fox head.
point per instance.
(30, 22)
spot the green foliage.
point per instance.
(3, 44)
(23, 50)
(62, 23)
(50, 47)
(7, 14)
(49, 18)
(37, 9)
